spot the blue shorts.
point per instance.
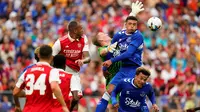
(124, 72)
(142, 109)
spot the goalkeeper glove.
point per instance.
(111, 48)
(136, 8)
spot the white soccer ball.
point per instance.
(154, 23)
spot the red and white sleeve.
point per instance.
(56, 48)
(86, 45)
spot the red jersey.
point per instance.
(72, 49)
(36, 83)
(66, 86)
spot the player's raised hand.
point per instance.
(111, 48)
(107, 63)
(79, 62)
(136, 7)
(155, 108)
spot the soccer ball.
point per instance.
(154, 23)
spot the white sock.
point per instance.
(106, 96)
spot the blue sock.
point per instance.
(103, 103)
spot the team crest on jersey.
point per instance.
(128, 40)
(142, 94)
(79, 45)
(127, 92)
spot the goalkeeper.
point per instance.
(115, 50)
(103, 41)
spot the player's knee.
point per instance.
(109, 91)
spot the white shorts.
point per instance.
(80, 94)
(77, 82)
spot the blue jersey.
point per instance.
(30, 66)
(132, 99)
(129, 48)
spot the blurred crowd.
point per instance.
(172, 53)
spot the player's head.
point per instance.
(101, 39)
(36, 52)
(141, 76)
(45, 53)
(131, 24)
(75, 29)
(59, 61)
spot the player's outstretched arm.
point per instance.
(53, 80)
(136, 7)
(86, 59)
(152, 98)
(17, 104)
(16, 91)
(131, 49)
(134, 45)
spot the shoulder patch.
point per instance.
(127, 80)
(121, 32)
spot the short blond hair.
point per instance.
(36, 52)
(37, 49)
(143, 70)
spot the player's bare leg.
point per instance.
(74, 102)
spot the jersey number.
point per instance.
(38, 85)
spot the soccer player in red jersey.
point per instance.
(74, 46)
(39, 82)
(66, 85)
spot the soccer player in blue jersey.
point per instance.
(129, 52)
(130, 43)
(133, 92)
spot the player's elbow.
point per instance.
(54, 86)
(15, 92)
(129, 54)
